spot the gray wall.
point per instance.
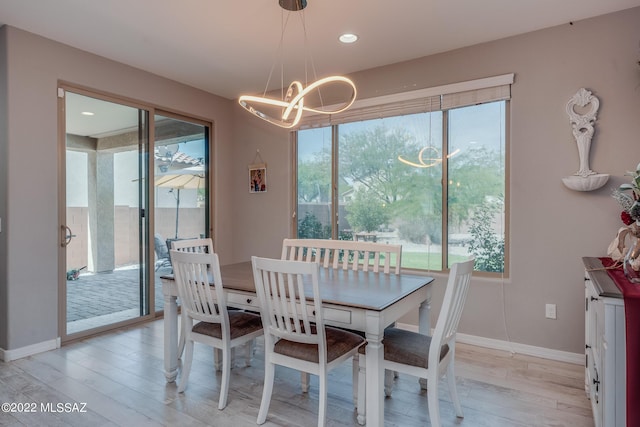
(31, 69)
(552, 227)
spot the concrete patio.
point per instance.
(103, 298)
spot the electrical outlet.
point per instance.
(550, 311)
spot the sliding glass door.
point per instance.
(104, 232)
(134, 180)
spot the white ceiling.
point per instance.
(227, 47)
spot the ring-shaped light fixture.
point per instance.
(294, 100)
(432, 161)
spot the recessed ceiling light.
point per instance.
(348, 38)
(87, 113)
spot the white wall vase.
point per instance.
(583, 128)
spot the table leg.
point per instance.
(170, 337)
(424, 326)
(374, 372)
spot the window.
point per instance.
(433, 181)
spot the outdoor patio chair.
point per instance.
(162, 252)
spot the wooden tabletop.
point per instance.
(372, 291)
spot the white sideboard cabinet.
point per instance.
(605, 348)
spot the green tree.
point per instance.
(419, 215)
(370, 158)
(366, 212)
(421, 228)
(310, 228)
(474, 174)
(486, 245)
(314, 179)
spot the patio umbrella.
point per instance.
(179, 179)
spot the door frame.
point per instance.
(63, 88)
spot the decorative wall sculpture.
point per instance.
(583, 128)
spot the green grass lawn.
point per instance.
(433, 261)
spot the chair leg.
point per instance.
(423, 383)
(267, 390)
(362, 387)
(432, 399)
(226, 373)
(322, 396)
(453, 391)
(181, 344)
(217, 359)
(186, 367)
(304, 380)
(388, 382)
(249, 352)
(185, 323)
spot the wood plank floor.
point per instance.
(117, 379)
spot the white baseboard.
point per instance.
(19, 353)
(529, 350)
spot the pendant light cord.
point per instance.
(278, 56)
(308, 58)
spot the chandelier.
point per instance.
(287, 111)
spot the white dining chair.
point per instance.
(199, 245)
(424, 356)
(344, 255)
(294, 330)
(200, 289)
(205, 245)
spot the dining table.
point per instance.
(358, 300)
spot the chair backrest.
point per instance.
(193, 245)
(280, 285)
(200, 290)
(455, 296)
(345, 254)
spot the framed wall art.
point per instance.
(258, 178)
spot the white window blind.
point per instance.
(419, 101)
(412, 106)
(477, 96)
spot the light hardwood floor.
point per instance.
(119, 377)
